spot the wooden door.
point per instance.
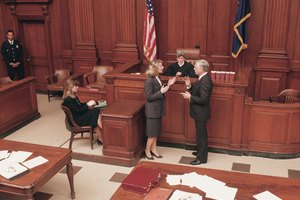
(37, 60)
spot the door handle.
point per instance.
(28, 59)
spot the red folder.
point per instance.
(142, 180)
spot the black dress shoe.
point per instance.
(194, 153)
(196, 162)
(156, 156)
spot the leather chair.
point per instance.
(95, 78)
(287, 96)
(190, 54)
(5, 80)
(75, 129)
(57, 81)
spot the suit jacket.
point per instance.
(187, 69)
(200, 98)
(12, 53)
(155, 100)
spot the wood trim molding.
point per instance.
(126, 48)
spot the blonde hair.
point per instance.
(68, 92)
(152, 69)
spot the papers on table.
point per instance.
(35, 162)
(12, 169)
(266, 195)
(12, 164)
(19, 156)
(4, 154)
(179, 195)
(213, 188)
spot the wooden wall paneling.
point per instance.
(293, 80)
(219, 34)
(2, 36)
(236, 132)
(271, 127)
(126, 46)
(219, 126)
(63, 35)
(140, 14)
(269, 84)
(198, 24)
(174, 120)
(294, 136)
(104, 15)
(84, 51)
(273, 54)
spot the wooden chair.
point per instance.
(287, 96)
(75, 129)
(5, 80)
(95, 78)
(57, 81)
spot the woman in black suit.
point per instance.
(83, 113)
(154, 106)
(199, 96)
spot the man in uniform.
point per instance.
(12, 52)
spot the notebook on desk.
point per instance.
(101, 104)
(142, 180)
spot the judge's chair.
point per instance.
(190, 54)
(95, 78)
(286, 96)
(57, 81)
(75, 129)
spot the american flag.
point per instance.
(149, 32)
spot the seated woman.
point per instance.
(84, 114)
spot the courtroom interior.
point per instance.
(254, 65)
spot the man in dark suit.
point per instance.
(199, 96)
(12, 52)
(181, 68)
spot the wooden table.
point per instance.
(27, 184)
(247, 184)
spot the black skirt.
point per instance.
(153, 127)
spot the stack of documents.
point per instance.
(213, 188)
(13, 164)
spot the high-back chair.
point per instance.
(190, 54)
(287, 96)
(95, 78)
(75, 129)
(57, 81)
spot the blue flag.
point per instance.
(239, 35)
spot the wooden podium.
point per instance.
(123, 128)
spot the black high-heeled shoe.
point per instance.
(149, 158)
(156, 156)
(99, 142)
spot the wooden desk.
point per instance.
(28, 184)
(247, 184)
(18, 104)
